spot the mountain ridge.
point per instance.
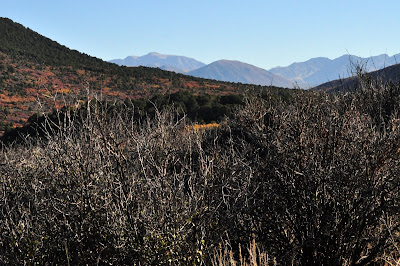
(319, 70)
(236, 71)
(306, 74)
(385, 75)
(180, 64)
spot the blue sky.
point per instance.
(265, 33)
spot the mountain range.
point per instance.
(222, 70)
(306, 74)
(320, 70)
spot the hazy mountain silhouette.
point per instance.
(235, 71)
(321, 69)
(385, 75)
(180, 64)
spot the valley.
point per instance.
(219, 164)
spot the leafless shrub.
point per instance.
(313, 181)
(328, 177)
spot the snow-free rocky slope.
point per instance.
(236, 71)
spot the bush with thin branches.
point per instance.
(310, 181)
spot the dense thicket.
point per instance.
(314, 181)
(203, 108)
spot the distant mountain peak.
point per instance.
(180, 64)
(227, 61)
(236, 71)
(158, 55)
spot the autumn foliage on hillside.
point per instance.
(28, 88)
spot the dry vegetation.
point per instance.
(310, 182)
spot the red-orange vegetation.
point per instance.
(80, 72)
(192, 84)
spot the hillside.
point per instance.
(385, 75)
(320, 70)
(179, 64)
(38, 74)
(235, 71)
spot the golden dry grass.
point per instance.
(202, 126)
(223, 256)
